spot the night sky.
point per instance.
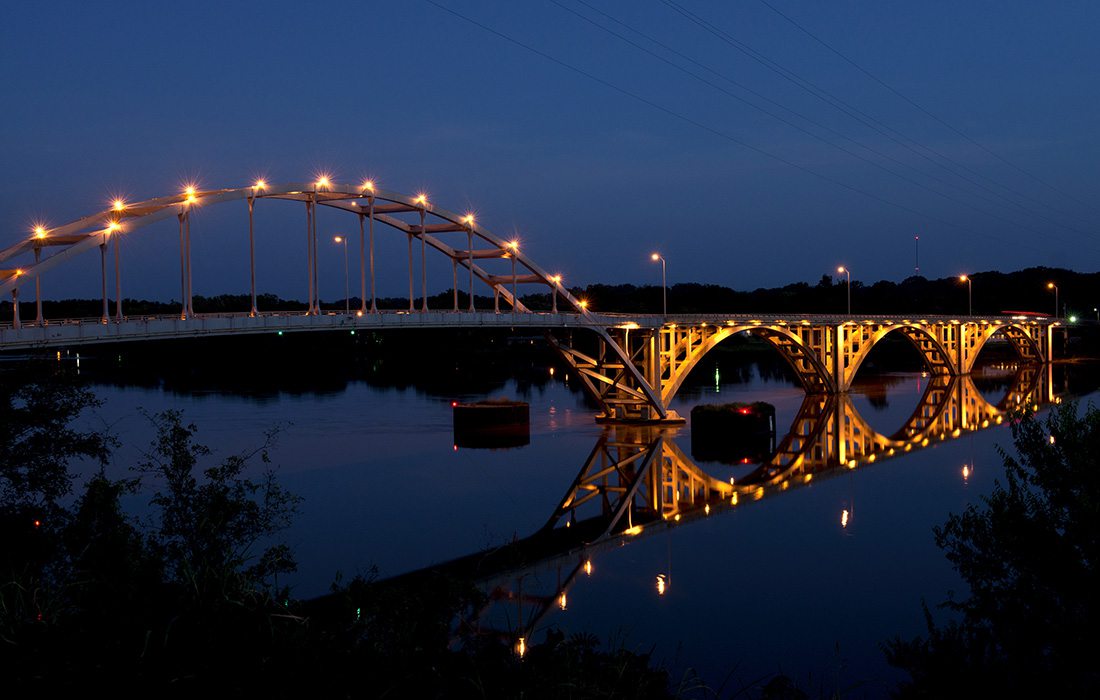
(977, 132)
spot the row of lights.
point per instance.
(190, 194)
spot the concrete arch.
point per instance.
(96, 229)
(809, 368)
(1026, 346)
(932, 352)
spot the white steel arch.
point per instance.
(365, 201)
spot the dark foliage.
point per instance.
(1030, 553)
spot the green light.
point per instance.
(353, 332)
(1073, 319)
(357, 610)
(280, 333)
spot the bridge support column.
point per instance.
(38, 320)
(423, 265)
(251, 257)
(370, 231)
(15, 323)
(103, 278)
(183, 276)
(190, 300)
(118, 280)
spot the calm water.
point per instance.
(772, 585)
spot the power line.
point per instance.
(852, 111)
(927, 113)
(801, 116)
(687, 119)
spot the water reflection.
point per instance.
(637, 481)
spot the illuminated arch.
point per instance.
(1018, 336)
(685, 355)
(931, 350)
(94, 230)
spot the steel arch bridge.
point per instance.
(632, 365)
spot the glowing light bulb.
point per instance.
(259, 185)
(844, 518)
(562, 601)
(39, 231)
(662, 584)
(588, 567)
(118, 205)
(368, 185)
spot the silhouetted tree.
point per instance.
(1030, 553)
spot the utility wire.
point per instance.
(700, 125)
(852, 111)
(929, 114)
(802, 116)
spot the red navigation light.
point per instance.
(744, 411)
(38, 523)
(454, 404)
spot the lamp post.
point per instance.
(969, 294)
(664, 282)
(1097, 312)
(1051, 285)
(848, 274)
(347, 300)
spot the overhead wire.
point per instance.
(705, 127)
(931, 115)
(912, 145)
(780, 118)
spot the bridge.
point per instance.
(638, 482)
(631, 364)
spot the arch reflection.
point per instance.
(637, 481)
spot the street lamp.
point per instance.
(347, 300)
(1097, 312)
(1051, 285)
(848, 273)
(969, 294)
(664, 282)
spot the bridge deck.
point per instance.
(71, 332)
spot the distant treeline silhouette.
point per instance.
(993, 292)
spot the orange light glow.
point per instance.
(323, 181)
(118, 205)
(963, 278)
(114, 226)
(521, 647)
(556, 279)
(338, 239)
(966, 472)
(468, 219)
(588, 567)
(841, 269)
(583, 303)
(513, 244)
(844, 518)
(39, 231)
(562, 601)
(662, 584)
(259, 185)
(1050, 285)
(368, 185)
(655, 257)
(421, 198)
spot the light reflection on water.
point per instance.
(808, 582)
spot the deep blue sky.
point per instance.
(133, 98)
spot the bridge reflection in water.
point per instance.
(638, 481)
